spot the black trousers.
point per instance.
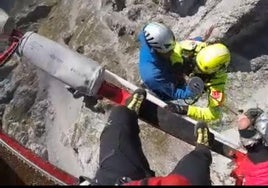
(258, 153)
(195, 166)
(121, 153)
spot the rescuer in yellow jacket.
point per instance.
(209, 62)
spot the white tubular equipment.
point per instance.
(66, 65)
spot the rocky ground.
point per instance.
(38, 111)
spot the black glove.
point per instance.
(76, 94)
(178, 109)
(90, 101)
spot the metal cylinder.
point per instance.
(66, 65)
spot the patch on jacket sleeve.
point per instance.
(217, 95)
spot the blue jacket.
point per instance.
(157, 74)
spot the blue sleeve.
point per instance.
(184, 93)
(198, 38)
(167, 90)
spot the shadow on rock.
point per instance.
(239, 63)
(186, 7)
(249, 36)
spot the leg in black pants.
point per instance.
(121, 153)
(195, 166)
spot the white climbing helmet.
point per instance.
(159, 37)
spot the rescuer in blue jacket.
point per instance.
(155, 66)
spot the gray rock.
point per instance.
(106, 31)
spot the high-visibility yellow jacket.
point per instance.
(185, 52)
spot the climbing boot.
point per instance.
(135, 101)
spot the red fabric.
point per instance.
(167, 180)
(14, 42)
(7, 53)
(248, 173)
(114, 93)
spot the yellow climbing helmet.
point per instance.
(212, 58)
